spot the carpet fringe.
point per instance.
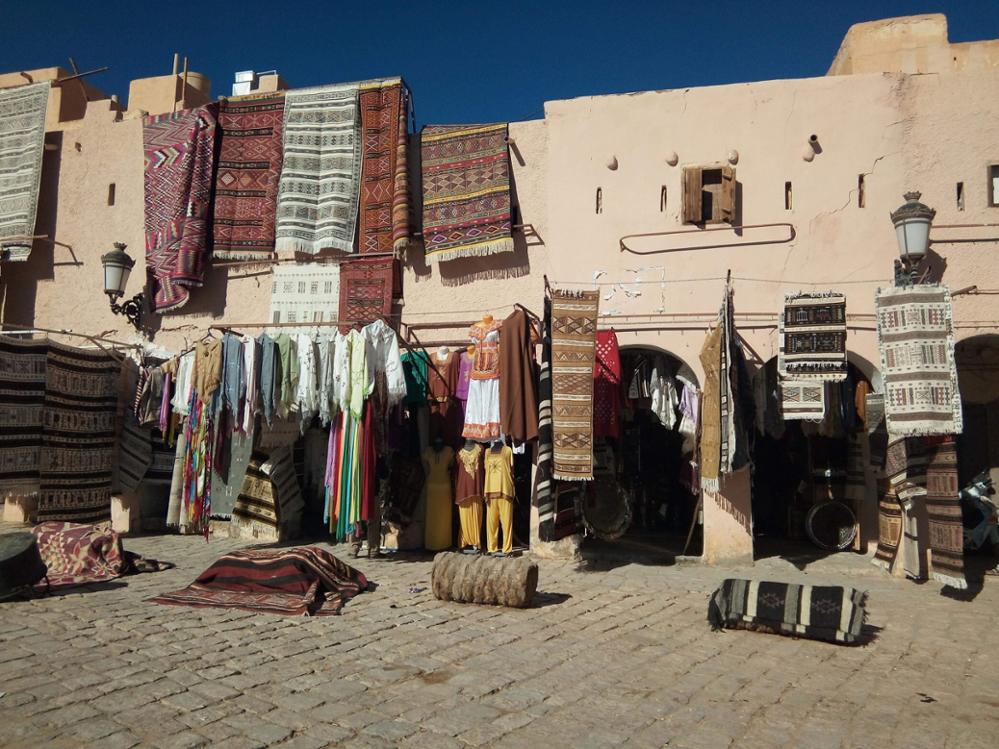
(952, 582)
(486, 275)
(494, 247)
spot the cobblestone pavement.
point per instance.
(619, 656)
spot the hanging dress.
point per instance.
(482, 413)
(437, 466)
(469, 486)
(500, 494)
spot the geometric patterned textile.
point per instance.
(544, 483)
(78, 437)
(303, 581)
(22, 398)
(818, 612)
(365, 289)
(943, 508)
(803, 400)
(246, 182)
(77, 554)
(607, 386)
(812, 337)
(889, 530)
(905, 471)
(573, 331)
(384, 109)
(22, 145)
(179, 150)
(916, 340)
(305, 292)
(135, 453)
(466, 191)
(711, 424)
(320, 177)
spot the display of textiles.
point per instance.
(384, 211)
(365, 289)
(916, 341)
(77, 554)
(943, 509)
(23, 110)
(466, 191)
(22, 400)
(803, 400)
(812, 337)
(246, 183)
(135, 454)
(304, 292)
(179, 151)
(607, 386)
(319, 188)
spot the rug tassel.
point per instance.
(952, 582)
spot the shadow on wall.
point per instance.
(20, 280)
(208, 299)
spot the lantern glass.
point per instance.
(913, 237)
(115, 278)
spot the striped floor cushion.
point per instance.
(817, 612)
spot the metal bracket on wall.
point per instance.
(784, 224)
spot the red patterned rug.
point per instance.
(303, 581)
(384, 201)
(607, 386)
(466, 191)
(77, 554)
(365, 289)
(179, 151)
(246, 183)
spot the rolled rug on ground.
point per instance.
(502, 581)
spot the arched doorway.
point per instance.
(643, 500)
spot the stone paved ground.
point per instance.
(616, 657)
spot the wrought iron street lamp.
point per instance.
(117, 266)
(912, 222)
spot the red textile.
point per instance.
(381, 110)
(365, 289)
(369, 459)
(76, 554)
(607, 386)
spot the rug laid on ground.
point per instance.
(22, 146)
(365, 289)
(384, 219)
(305, 292)
(573, 332)
(302, 581)
(76, 554)
(803, 400)
(812, 337)
(466, 191)
(78, 434)
(22, 398)
(943, 509)
(246, 182)
(179, 151)
(320, 177)
(916, 340)
(817, 612)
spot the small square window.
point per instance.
(994, 185)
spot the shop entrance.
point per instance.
(812, 489)
(643, 500)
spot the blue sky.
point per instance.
(466, 62)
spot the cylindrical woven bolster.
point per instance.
(503, 581)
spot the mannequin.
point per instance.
(443, 353)
(438, 460)
(469, 484)
(482, 418)
(500, 496)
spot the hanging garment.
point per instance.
(307, 394)
(664, 397)
(415, 372)
(23, 111)
(207, 368)
(179, 151)
(464, 377)
(607, 386)
(437, 465)
(384, 355)
(341, 371)
(482, 413)
(287, 387)
(500, 495)
(518, 387)
(251, 395)
(442, 378)
(328, 405)
(689, 414)
(469, 493)
(361, 382)
(318, 190)
(185, 384)
(233, 377)
(269, 375)
(163, 423)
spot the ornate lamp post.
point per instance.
(912, 222)
(117, 266)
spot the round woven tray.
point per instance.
(831, 526)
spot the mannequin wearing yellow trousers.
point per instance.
(500, 495)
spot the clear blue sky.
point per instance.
(466, 62)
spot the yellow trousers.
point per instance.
(470, 517)
(500, 512)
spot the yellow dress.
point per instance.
(500, 495)
(437, 467)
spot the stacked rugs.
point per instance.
(817, 612)
(249, 168)
(811, 352)
(573, 332)
(466, 191)
(303, 581)
(269, 505)
(916, 340)
(384, 219)
(22, 146)
(318, 193)
(22, 397)
(78, 434)
(305, 293)
(179, 151)
(365, 289)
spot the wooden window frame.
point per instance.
(701, 196)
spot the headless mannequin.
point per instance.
(469, 444)
(443, 353)
(438, 444)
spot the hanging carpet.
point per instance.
(305, 292)
(179, 150)
(812, 337)
(246, 183)
(466, 191)
(135, 453)
(803, 400)
(22, 398)
(320, 177)
(270, 501)
(574, 327)
(22, 146)
(607, 386)
(384, 212)
(303, 581)
(943, 508)
(365, 289)
(916, 340)
(78, 437)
